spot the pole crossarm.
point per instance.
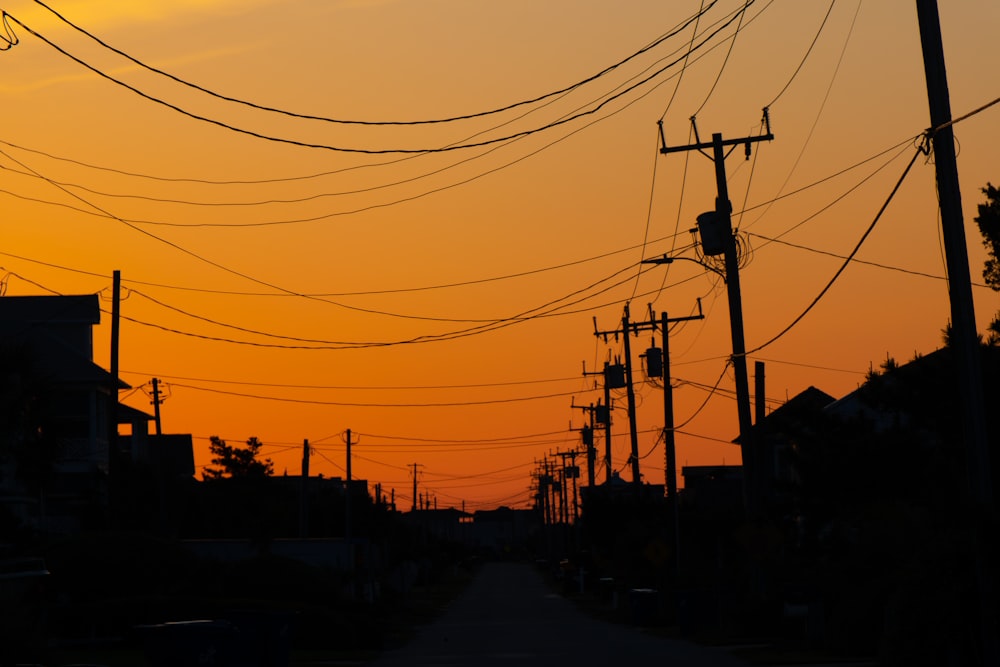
(666, 259)
(704, 145)
(717, 141)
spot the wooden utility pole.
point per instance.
(633, 430)
(759, 392)
(414, 466)
(602, 414)
(630, 394)
(304, 493)
(156, 406)
(116, 289)
(964, 339)
(587, 436)
(669, 441)
(721, 220)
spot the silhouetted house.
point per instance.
(778, 437)
(55, 452)
(712, 490)
(879, 485)
(170, 455)
(55, 423)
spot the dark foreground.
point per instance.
(507, 615)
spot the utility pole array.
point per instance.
(414, 466)
(625, 382)
(602, 414)
(587, 436)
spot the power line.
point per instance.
(398, 290)
(725, 61)
(878, 265)
(440, 404)
(822, 106)
(207, 91)
(379, 151)
(354, 387)
(806, 56)
(850, 257)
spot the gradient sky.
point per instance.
(440, 305)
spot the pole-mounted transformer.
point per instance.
(654, 362)
(614, 376)
(713, 228)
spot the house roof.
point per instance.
(794, 411)
(126, 414)
(33, 326)
(74, 309)
(64, 364)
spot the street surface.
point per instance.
(508, 616)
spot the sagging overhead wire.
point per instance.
(549, 309)
(725, 61)
(396, 290)
(279, 385)
(363, 404)
(806, 55)
(922, 150)
(607, 70)
(877, 265)
(822, 106)
(338, 345)
(598, 106)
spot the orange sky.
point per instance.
(377, 254)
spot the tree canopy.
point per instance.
(237, 462)
(989, 226)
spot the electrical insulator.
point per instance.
(601, 415)
(711, 228)
(614, 376)
(654, 362)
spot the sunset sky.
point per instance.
(433, 286)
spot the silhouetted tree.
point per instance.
(237, 462)
(989, 226)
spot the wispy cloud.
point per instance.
(85, 76)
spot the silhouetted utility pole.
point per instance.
(347, 506)
(759, 389)
(587, 436)
(630, 394)
(116, 299)
(544, 486)
(414, 466)
(304, 493)
(719, 238)
(964, 339)
(603, 414)
(156, 406)
(572, 472)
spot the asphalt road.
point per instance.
(508, 616)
